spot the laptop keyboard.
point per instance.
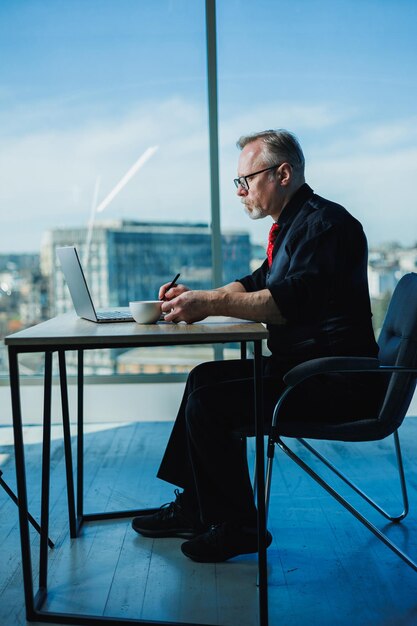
(114, 315)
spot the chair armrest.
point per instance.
(330, 364)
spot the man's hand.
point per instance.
(171, 293)
(187, 306)
(232, 300)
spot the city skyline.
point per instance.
(87, 88)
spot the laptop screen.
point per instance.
(76, 282)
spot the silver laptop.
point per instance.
(80, 294)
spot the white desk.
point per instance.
(68, 332)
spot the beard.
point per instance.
(255, 212)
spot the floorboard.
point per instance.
(324, 567)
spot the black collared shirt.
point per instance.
(318, 279)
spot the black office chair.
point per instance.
(398, 362)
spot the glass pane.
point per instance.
(103, 124)
(341, 75)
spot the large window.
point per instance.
(104, 125)
(104, 134)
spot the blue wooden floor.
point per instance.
(324, 567)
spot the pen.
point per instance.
(173, 282)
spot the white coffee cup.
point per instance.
(146, 311)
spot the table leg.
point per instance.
(67, 443)
(46, 463)
(21, 482)
(260, 486)
(80, 436)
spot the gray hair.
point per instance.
(278, 146)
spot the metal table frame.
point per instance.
(25, 342)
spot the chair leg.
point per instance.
(381, 536)
(254, 474)
(335, 470)
(268, 473)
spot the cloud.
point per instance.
(369, 168)
(285, 114)
(49, 174)
(373, 173)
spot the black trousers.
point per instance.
(206, 455)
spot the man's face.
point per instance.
(264, 196)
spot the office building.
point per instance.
(128, 260)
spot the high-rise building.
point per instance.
(128, 260)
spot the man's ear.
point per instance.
(285, 174)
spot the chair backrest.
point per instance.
(398, 346)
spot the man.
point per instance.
(312, 293)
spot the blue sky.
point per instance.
(86, 86)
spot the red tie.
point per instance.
(271, 240)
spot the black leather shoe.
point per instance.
(172, 520)
(223, 542)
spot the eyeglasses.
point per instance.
(243, 180)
